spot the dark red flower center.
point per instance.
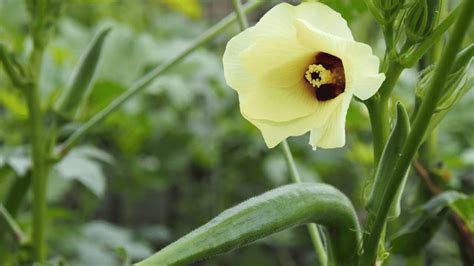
(326, 76)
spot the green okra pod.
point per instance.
(389, 158)
(258, 217)
(82, 78)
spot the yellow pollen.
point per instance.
(325, 76)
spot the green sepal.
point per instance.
(389, 8)
(271, 212)
(388, 160)
(78, 90)
(419, 230)
(463, 58)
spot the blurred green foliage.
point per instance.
(175, 156)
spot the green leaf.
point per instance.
(81, 165)
(465, 209)
(12, 102)
(261, 216)
(417, 233)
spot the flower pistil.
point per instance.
(317, 75)
(326, 76)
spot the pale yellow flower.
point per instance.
(296, 71)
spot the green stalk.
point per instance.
(38, 153)
(30, 88)
(379, 122)
(430, 148)
(38, 147)
(378, 107)
(240, 14)
(143, 82)
(393, 73)
(419, 128)
(312, 228)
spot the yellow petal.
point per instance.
(277, 21)
(367, 86)
(361, 67)
(235, 74)
(285, 103)
(362, 70)
(322, 17)
(332, 134)
(275, 132)
(277, 61)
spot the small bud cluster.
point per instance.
(416, 18)
(421, 17)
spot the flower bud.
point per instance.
(78, 90)
(421, 18)
(459, 82)
(388, 5)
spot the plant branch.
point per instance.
(243, 22)
(420, 125)
(143, 82)
(425, 177)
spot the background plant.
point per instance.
(175, 155)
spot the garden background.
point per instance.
(178, 154)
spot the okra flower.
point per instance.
(296, 71)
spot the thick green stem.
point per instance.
(391, 77)
(378, 107)
(419, 128)
(312, 228)
(38, 154)
(38, 147)
(143, 82)
(380, 124)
